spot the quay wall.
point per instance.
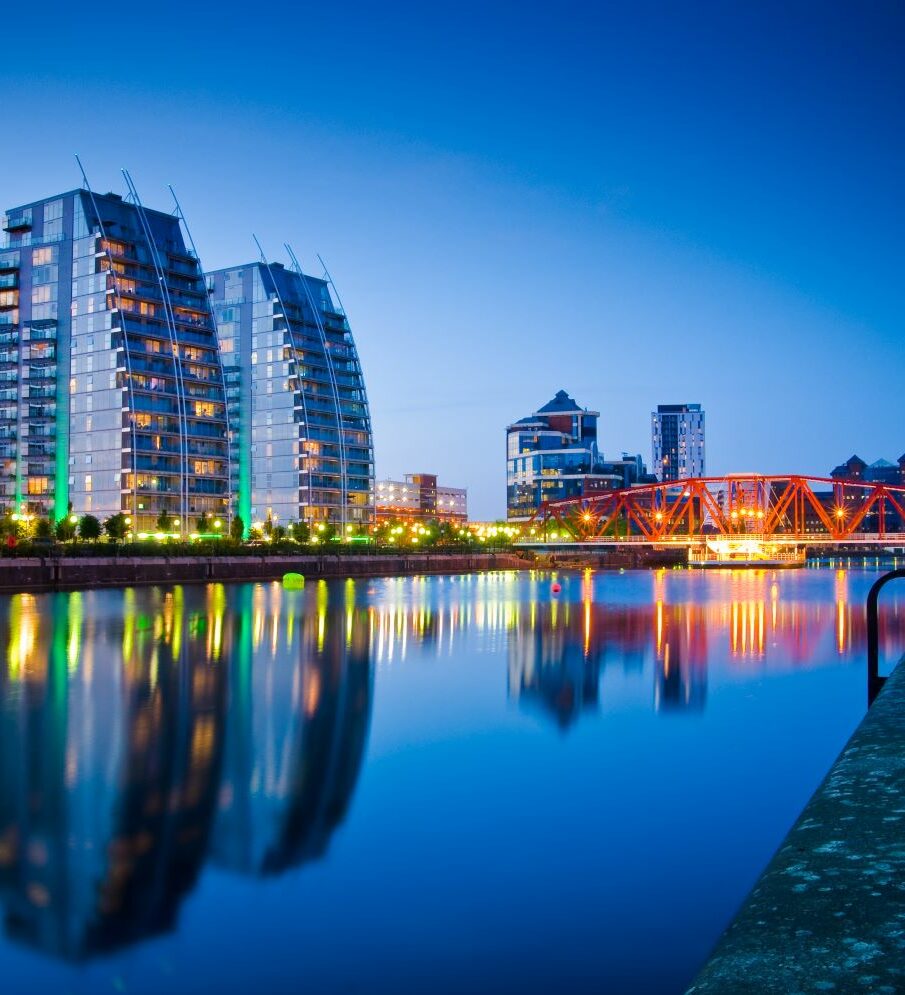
(828, 913)
(64, 573)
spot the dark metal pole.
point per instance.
(874, 681)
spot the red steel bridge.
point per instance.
(781, 509)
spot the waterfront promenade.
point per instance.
(828, 914)
(60, 573)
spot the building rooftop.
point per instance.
(561, 404)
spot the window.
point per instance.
(87, 483)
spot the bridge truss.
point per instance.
(779, 508)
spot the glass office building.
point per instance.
(301, 444)
(111, 387)
(677, 441)
(550, 455)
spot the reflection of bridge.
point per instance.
(784, 510)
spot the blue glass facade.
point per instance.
(550, 455)
(553, 455)
(301, 443)
(111, 387)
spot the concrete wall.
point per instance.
(46, 574)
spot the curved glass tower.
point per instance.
(300, 428)
(106, 326)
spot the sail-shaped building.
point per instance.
(300, 427)
(111, 387)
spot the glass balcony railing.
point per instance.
(17, 222)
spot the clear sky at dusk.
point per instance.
(639, 203)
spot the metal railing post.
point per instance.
(874, 681)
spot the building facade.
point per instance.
(111, 387)
(881, 471)
(552, 455)
(420, 498)
(677, 441)
(300, 429)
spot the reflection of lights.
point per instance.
(75, 631)
(22, 634)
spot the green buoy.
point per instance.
(293, 581)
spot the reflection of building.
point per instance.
(552, 455)
(109, 776)
(554, 660)
(678, 441)
(111, 389)
(420, 498)
(299, 420)
(680, 676)
(296, 739)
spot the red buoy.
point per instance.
(556, 588)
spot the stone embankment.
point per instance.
(828, 914)
(62, 573)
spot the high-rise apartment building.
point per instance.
(677, 439)
(301, 444)
(111, 387)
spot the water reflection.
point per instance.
(148, 733)
(559, 647)
(143, 731)
(296, 735)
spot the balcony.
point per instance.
(18, 222)
(42, 373)
(42, 334)
(9, 281)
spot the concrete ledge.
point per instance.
(828, 914)
(114, 571)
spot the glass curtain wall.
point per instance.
(300, 427)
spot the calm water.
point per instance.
(410, 785)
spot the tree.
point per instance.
(325, 532)
(278, 532)
(65, 529)
(165, 521)
(268, 526)
(204, 522)
(89, 528)
(43, 529)
(237, 529)
(300, 531)
(116, 527)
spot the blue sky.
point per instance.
(640, 203)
